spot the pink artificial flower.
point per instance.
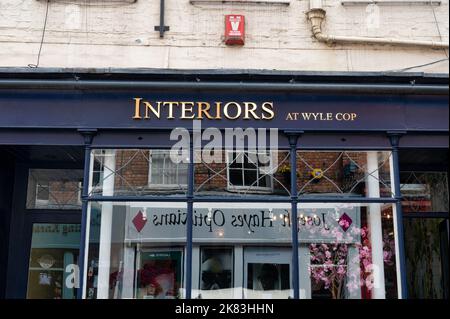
(369, 283)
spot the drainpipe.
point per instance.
(316, 15)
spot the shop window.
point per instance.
(164, 172)
(426, 252)
(349, 258)
(258, 238)
(341, 255)
(54, 189)
(241, 250)
(136, 250)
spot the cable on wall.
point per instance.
(419, 66)
(42, 38)
(438, 28)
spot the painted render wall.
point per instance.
(120, 34)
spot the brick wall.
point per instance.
(344, 172)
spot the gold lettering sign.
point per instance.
(319, 116)
(190, 110)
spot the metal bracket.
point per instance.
(161, 27)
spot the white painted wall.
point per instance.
(120, 34)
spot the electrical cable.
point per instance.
(42, 38)
(418, 66)
(438, 28)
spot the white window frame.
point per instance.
(163, 185)
(80, 192)
(251, 189)
(100, 158)
(41, 202)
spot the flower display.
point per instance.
(330, 262)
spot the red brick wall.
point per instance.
(341, 178)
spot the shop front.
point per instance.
(239, 186)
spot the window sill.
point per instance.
(165, 187)
(245, 189)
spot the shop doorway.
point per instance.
(45, 226)
(424, 186)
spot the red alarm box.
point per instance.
(234, 29)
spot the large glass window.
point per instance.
(426, 245)
(241, 250)
(347, 251)
(255, 248)
(425, 194)
(136, 250)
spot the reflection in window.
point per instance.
(346, 265)
(424, 191)
(249, 170)
(136, 250)
(216, 272)
(268, 276)
(54, 189)
(328, 270)
(137, 172)
(344, 173)
(42, 194)
(165, 172)
(53, 260)
(267, 272)
(243, 173)
(159, 274)
(426, 246)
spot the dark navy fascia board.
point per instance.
(138, 138)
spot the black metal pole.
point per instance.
(293, 138)
(88, 137)
(190, 210)
(161, 19)
(394, 139)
